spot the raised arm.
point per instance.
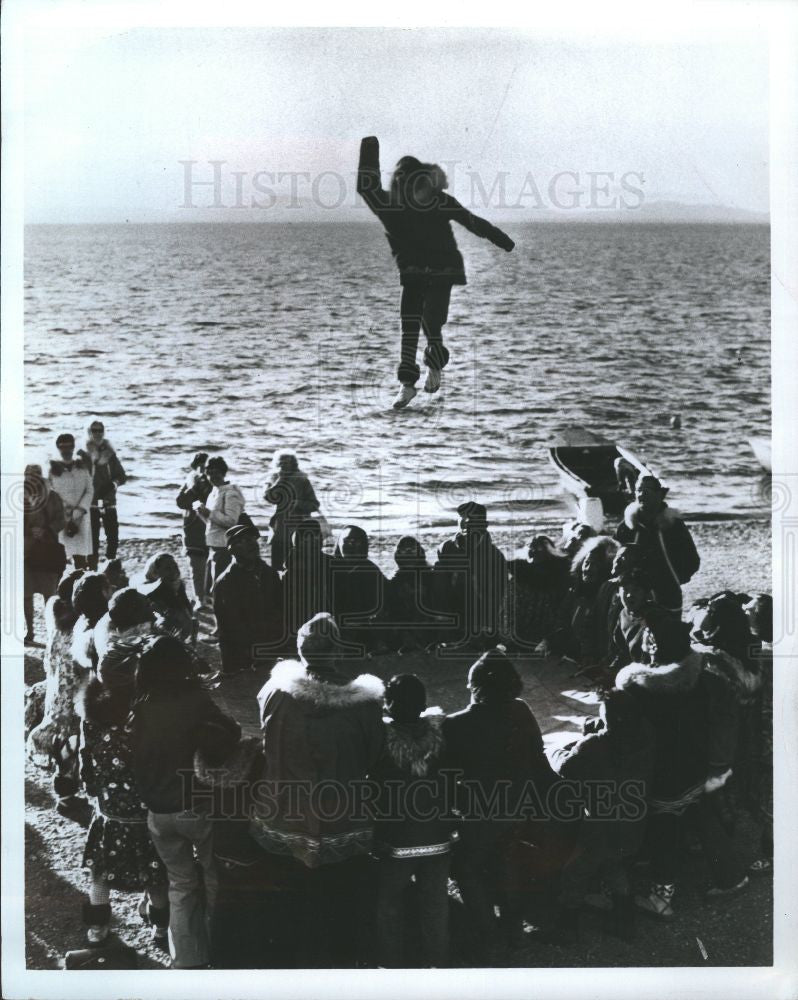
(369, 181)
(477, 225)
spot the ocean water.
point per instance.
(238, 339)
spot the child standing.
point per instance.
(119, 853)
(417, 214)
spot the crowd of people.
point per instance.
(364, 819)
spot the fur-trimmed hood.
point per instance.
(664, 519)
(103, 706)
(411, 746)
(670, 678)
(729, 668)
(292, 678)
(58, 467)
(100, 454)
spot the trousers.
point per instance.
(423, 306)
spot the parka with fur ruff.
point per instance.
(321, 737)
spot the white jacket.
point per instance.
(226, 504)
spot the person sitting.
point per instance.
(114, 572)
(44, 556)
(292, 494)
(585, 611)
(357, 590)
(222, 509)
(574, 535)
(164, 589)
(410, 623)
(538, 584)
(496, 743)
(693, 714)
(248, 605)
(616, 752)
(412, 832)
(666, 549)
(307, 580)
(638, 613)
(322, 735)
(472, 581)
(195, 489)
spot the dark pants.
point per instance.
(106, 517)
(431, 877)
(665, 831)
(423, 307)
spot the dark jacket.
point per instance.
(421, 239)
(626, 644)
(307, 586)
(694, 716)
(173, 612)
(499, 749)
(293, 496)
(196, 487)
(165, 739)
(412, 804)
(41, 524)
(106, 471)
(248, 604)
(667, 552)
(358, 595)
(624, 767)
(320, 739)
(471, 586)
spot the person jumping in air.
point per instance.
(417, 214)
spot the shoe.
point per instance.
(403, 397)
(433, 382)
(718, 893)
(76, 808)
(97, 921)
(658, 902)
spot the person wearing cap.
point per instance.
(107, 474)
(496, 744)
(666, 549)
(195, 489)
(44, 556)
(322, 735)
(71, 479)
(414, 824)
(220, 511)
(472, 581)
(248, 604)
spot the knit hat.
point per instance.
(494, 678)
(473, 511)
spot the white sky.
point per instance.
(110, 113)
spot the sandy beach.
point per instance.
(735, 555)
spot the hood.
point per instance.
(670, 678)
(664, 519)
(57, 467)
(103, 706)
(412, 745)
(100, 453)
(291, 677)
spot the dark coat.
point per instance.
(106, 471)
(409, 614)
(497, 743)
(293, 496)
(667, 552)
(472, 585)
(41, 524)
(694, 716)
(248, 604)
(616, 821)
(358, 596)
(320, 738)
(196, 487)
(626, 644)
(165, 739)
(413, 824)
(421, 240)
(307, 586)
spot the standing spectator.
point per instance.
(412, 831)
(119, 853)
(170, 709)
(224, 506)
(44, 556)
(496, 743)
(665, 547)
(473, 579)
(196, 488)
(291, 492)
(322, 734)
(70, 478)
(107, 474)
(247, 603)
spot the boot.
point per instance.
(622, 918)
(76, 808)
(97, 921)
(156, 917)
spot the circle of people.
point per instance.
(253, 852)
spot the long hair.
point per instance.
(285, 460)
